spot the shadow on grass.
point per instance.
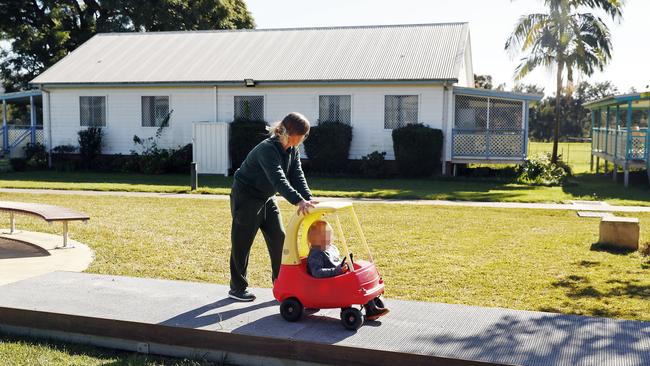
(601, 187)
(601, 247)
(579, 287)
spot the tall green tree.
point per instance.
(567, 39)
(41, 32)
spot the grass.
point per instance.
(18, 351)
(584, 186)
(519, 259)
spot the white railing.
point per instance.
(620, 144)
(488, 144)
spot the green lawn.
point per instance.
(520, 259)
(584, 186)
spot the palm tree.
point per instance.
(566, 39)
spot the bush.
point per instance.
(64, 149)
(417, 149)
(18, 164)
(180, 160)
(35, 156)
(373, 165)
(244, 136)
(540, 170)
(328, 146)
(90, 146)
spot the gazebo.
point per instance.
(619, 132)
(16, 132)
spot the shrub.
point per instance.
(540, 170)
(373, 165)
(244, 136)
(328, 146)
(417, 149)
(18, 164)
(180, 160)
(62, 158)
(90, 146)
(64, 149)
(35, 156)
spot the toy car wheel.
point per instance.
(379, 303)
(291, 309)
(351, 318)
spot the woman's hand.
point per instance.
(304, 206)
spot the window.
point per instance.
(92, 111)
(334, 108)
(155, 111)
(400, 110)
(249, 107)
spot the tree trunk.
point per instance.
(558, 100)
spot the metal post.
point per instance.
(194, 176)
(5, 128)
(12, 223)
(606, 135)
(65, 235)
(32, 122)
(616, 133)
(626, 174)
(597, 165)
(628, 142)
(591, 135)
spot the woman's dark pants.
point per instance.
(248, 215)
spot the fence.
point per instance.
(16, 137)
(488, 128)
(210, 147)
(620, 144)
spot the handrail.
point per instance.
(621, 143)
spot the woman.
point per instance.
(273, 166)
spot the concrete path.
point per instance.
(574, 206)
(27, 254)
(189, 319)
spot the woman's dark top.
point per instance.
(269, 168)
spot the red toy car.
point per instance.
(296, 289)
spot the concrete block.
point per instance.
(621, 232)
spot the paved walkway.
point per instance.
(26, 254)
(190, 319)
(574, 206)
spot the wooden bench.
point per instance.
(48, 213)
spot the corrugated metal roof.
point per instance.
(373, 53)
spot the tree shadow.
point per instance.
(549, 339)
(195, 318)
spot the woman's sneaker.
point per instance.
(377, 314)
(241, 295)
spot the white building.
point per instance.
(374, 77)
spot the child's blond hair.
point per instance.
(317, 226)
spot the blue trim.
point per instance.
(617, 123)
(21, 94)
(628, 123)
(497, 94)
(617, 99)
(525, 142)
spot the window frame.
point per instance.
(169, 108)
(234, 109)
(333, 95)
(105, 110)
(418, 111)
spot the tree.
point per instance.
(566, 39)
(41, 32)
(528, 89)
(483, 81)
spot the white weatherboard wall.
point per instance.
(197, 104)
(124, 115)
(210, 147)
(368, 133)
